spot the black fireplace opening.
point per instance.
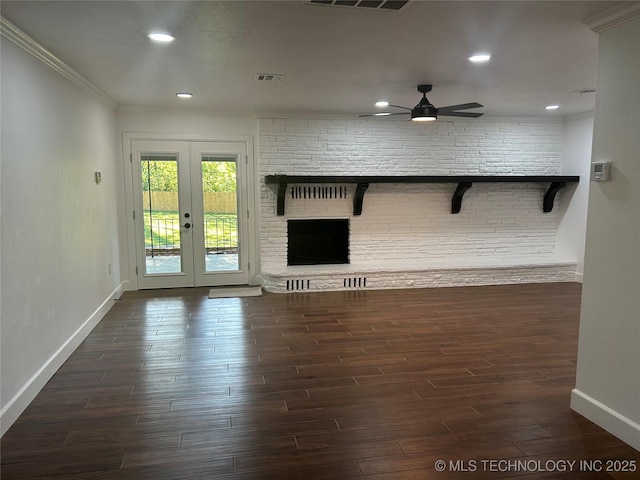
(318, 241)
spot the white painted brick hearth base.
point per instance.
(337, 277)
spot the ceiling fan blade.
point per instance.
(387, 115)
(460, 114)
(399, 106)
(462, 106)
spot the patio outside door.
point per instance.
(188, 200)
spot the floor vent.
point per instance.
(319, 192)
(355, 282)
(297, 285)
(384, 5)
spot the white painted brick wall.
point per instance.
(411, 223)
(426, 278)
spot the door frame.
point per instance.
(253, 244)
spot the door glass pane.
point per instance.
(161, 213)
(220, 204)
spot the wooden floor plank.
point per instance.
(374, 385)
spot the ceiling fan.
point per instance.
(424, 111)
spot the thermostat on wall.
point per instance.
(600, 171)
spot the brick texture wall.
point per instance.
(411, 224)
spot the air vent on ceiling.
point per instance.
(269, 77)
(583, 91)
(385, 5)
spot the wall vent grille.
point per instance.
(318, 192)
(269, 77)
(383, 5)
(298, 285)
(355, 282)
(584, 91)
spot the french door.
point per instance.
(188, 204)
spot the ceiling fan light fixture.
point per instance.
(423, 118)
(424, 112)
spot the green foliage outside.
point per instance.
(162, 176)
(218, 176)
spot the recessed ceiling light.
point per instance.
(552, 107)
(184, 95)
(480, 57)
(161, 37)
(382, 103)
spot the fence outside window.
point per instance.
(163, 234)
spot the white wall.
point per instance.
(576, 160)
(608, 376)
(184, 121)
(60, 230)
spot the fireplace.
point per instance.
(318, 241)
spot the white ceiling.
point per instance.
(335, 59)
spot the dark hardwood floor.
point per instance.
(339, 385)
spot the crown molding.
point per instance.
(614, 16)
(31, 46)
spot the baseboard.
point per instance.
(579, 277)
(21, 400)
(613, 422)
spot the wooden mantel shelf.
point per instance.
(465, 182)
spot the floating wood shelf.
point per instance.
(465, 182)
